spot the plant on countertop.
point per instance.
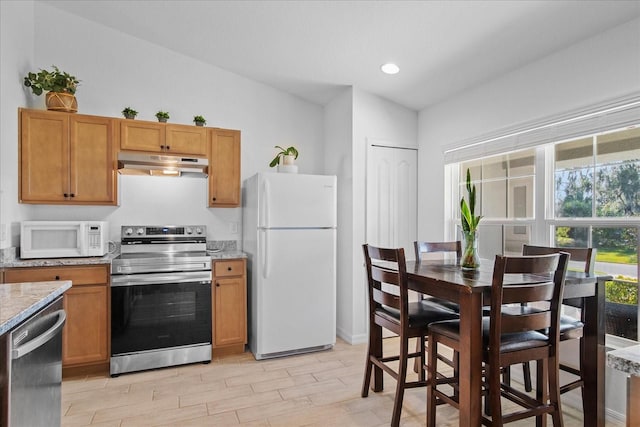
(199, 120)
(289, 151)
(51, 81)
(129, 113)
(470, 223)
(162, 116)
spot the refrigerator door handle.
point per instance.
(266, 198)
(264, 252)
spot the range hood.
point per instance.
(161, 165)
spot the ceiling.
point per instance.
(314, 49)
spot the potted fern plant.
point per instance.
(199, 120)
(470, 221)
(59, 85)
(129, 113)
(162, 116)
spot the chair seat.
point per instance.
(570, 328)
(421, 313)
(509, 342)
(443, 303)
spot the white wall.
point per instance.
(603, 67)
(16, 45)
(597, 69)
(338, 119)
(373, 118)
(116, 71)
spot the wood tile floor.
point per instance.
(317, 389)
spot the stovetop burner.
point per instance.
(151, 249)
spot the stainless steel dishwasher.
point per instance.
(35, 372)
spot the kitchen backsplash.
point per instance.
(223, 245)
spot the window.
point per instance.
(590, 186)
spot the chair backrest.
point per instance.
(433, 247)
(526, 279)
(387, 266)
(582, 255)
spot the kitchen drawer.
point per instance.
(78, 275)
(228, 268)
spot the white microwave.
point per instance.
(63, 239)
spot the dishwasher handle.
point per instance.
(41, 339)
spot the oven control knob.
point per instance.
(198, 230)
(140, 231)
(189, 230)
(128, 231)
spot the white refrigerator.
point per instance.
(289, 235)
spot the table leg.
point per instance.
(594, 358)
(470, 359)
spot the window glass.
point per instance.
(494, 167)
(617, 256)
(618, 174)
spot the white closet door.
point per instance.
(392, 197)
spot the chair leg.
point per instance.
(493, 381)
(554, 391)
(431, 382)
(402, 378)
(374, 349)
(526, 374)
(542, 388)
(416, 363)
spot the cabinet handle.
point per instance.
(73, 195)
(229, 268)
(65, 195)
(162, 147)
(214, 199)
(168, 148)
(57, 277)
(217, 284)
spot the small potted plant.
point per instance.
(129, 113)
(162, 116)
(59, 85)
(199, 120)
(288, 155)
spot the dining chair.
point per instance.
(511, 335)
(421, 249)
(570, 327)
(389, 308)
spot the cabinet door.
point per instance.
(230, 310)
(93, 166)
(44, 157)
(183, 139)
(142, 136)
(85, 335)
(224, 168)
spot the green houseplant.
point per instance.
(288, 155)
(199, 120)
(162, 116)
(470, 223)
(59, 85)
(129, 113)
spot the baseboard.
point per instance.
(351, 339)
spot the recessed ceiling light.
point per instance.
(390, 68)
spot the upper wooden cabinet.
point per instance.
(224, 168)
(67, 158)
(136, 135)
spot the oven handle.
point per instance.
(159, 279)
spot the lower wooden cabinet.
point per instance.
(229, 306)
(85, 337)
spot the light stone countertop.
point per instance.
(19, 301)
(625, 360)
(58, 262)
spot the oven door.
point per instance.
(160, 310)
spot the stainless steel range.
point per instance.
(160, 298)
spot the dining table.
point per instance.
(470, 289)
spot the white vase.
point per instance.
(288, 159)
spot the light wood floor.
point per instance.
(317, 389)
